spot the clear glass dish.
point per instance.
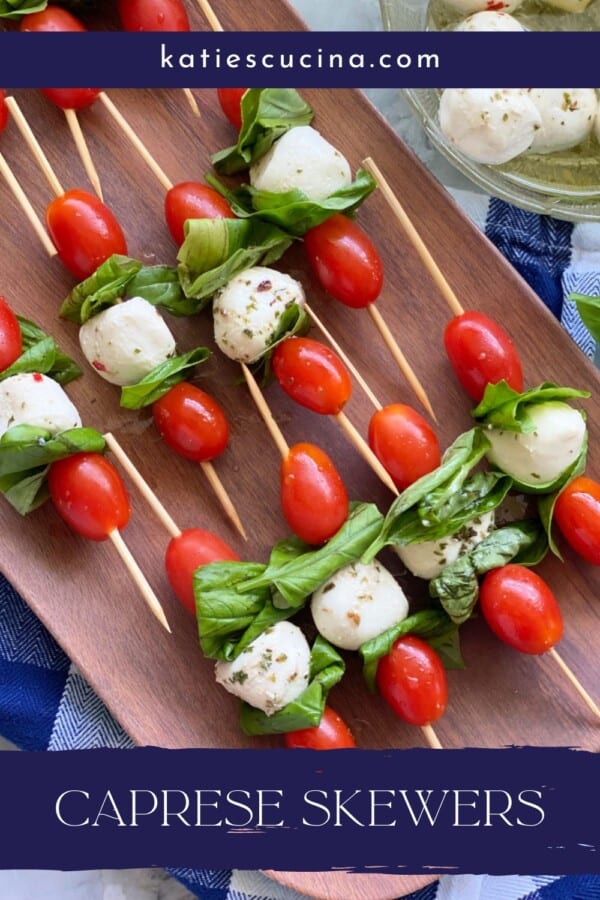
(566, 184)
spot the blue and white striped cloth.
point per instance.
(46, 704)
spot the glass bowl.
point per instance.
(564, 184)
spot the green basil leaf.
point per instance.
(457, 587)
(215, 250)
(26, 453)
(159, 285)
(326, 669)
(41, 354)
(14, 9)
(589, 310)
(402, 520)
(432, 625)
(502, 407)
(293, 211)
(300, 576)
(267, 113)
(37, 358)
(547, 502)
(161, 379)
(102, 289)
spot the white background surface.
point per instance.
(153, 884)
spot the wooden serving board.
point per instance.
(158, 685)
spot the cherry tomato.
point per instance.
(89, 495)
(3, 112)
(231, 104)
(312, 375)
(404, 443)
(153, 15)
(577, 514)
(412, 680)
(84, 231)
(313, 495)
(53, 18)
(521, 609)
(71, 98)
(193, 548)
(345, 261)
(481, 353)
(11, 343)
(331, 733)
(190, 200)
(191, 422)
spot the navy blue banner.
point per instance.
(514, 811)
(299, 59)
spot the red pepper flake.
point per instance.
(37, 376)
(495, 5)
(264, 286)
(100, 367)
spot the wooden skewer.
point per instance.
(359, 444)
(139, 578)
(415, 238)
(343, 356)
(210, 15)
(83, 150)
(33, 144)
(26, 206)
(431, 737)
(574, 681)
(223, 497)
(142, 485)
(265, 412)
(192, 102)
(400, 358)
(132, 137)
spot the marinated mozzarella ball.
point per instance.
(272, 671)
(567, 117)
(125, 342)
(539, 456)
(303, 160)
(357, 603)
(34, 399)
(473, 6)
(490, 20)
(489, 125)
(246, 312)
(429, 558)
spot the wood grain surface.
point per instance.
(157, 685)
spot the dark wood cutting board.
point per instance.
(158, 685)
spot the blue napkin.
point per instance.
(46, 704)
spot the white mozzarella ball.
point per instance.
(272, 671)
(567, 116)
(490, 20)
(491, 125)
(539, 456)
(473, 6)
(357, 603)
(303, 160)
(246, 312)
(429, 558)
(34, 399)
(125, 342)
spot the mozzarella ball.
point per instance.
(488, 125)
(429, 558)
(490, 20)
(357, 603)
(567, 116)
(272, 671)
(34, 399)
(303, 160)
(474, 6)
(246, 312)
(125, 342)
(539, 456)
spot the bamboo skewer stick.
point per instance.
(139, 578)
(132, 137)
(415, 238)
(223, 497)
(359, 444)
(26, 206)
(431, 737)
(142, 485)
(210, 15)
(83, 150)
(34, 145)
(574, 681)
(192, 102)
(265, 412)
